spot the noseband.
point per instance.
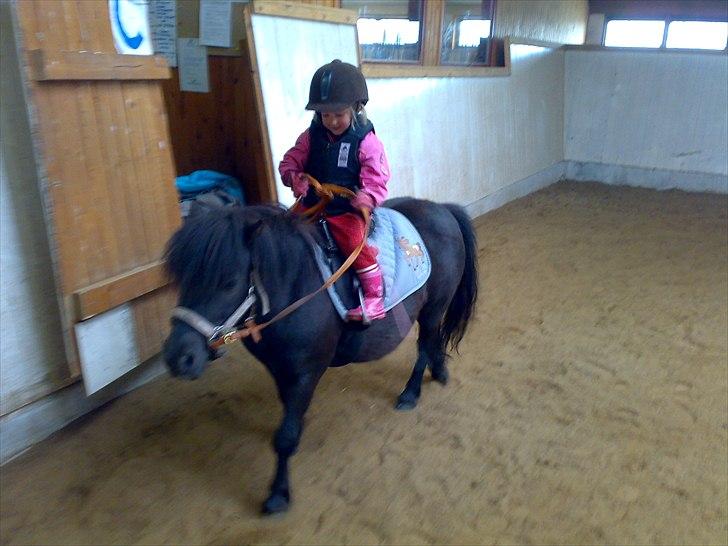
(219, 334)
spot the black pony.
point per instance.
(217, 258)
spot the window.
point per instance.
(697, 35)
(666, 33)
(634, 33)
(420, 38)
(471, 31)
(389, 30)
(465, 32)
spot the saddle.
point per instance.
(403, 259)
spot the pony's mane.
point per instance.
(281, 246)
(210, 247)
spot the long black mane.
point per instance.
(211, 247)
(281, 250)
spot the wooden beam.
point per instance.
(305, 11)
(432, 35)
(109, 293)
(86, 65)
(269, 177)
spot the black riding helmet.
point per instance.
(336, 86)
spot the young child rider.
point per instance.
(340, 147)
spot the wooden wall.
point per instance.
(219, 130)
(324, 3)
(104, 166)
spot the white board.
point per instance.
(107, 347)
(288, 52)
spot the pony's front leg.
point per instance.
(296, 394)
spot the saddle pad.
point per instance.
(403, 258)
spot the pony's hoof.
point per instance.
(441, 376)
(275, 504)
(405, 403)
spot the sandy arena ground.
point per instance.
(589, 405)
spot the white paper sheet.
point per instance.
(192, 57)
(216, 23)
(107, 347)
(163, 24)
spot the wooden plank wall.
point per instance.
(323, 3)
(219, 130)
(105, 165)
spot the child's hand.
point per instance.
(299, 184)
(362, 200)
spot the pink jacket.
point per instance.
(373, 176)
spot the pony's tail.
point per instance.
(462, 304)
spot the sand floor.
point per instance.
(589, 405)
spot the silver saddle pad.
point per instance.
(403, 258)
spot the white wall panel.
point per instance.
(289, 51)
(658, 110)
(447, 139)
(463, 139)
(32, 357)
(558, 21)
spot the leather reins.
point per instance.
(326, 193)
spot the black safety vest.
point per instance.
(335, 163)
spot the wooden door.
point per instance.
(105, 167)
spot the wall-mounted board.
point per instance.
(288, 46)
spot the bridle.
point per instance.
(228, 332)
(217, 335)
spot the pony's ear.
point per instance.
(250, 229)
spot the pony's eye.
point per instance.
(229, 285)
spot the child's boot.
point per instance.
(373, 287)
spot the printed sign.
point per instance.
(193, 72)
(130, 26)
(216, 23)
(163, 23)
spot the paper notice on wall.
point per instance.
(163, 24)
(192, 57)
(216, 23)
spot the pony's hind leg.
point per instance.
(411, 393)
(438, 363)
(429, 353)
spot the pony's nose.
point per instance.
(185, 361)
(184, 355)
